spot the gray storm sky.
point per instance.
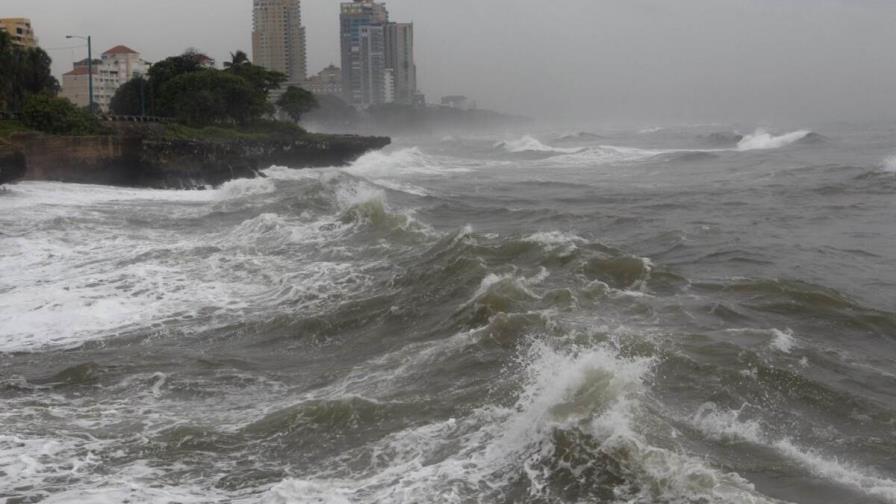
(633, 60)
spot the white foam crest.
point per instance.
(783, 341)
(473, 458)
(401, 187)
(409, 161)
(609, 154)
(59, 194)
(555, 239)
(241, 188)
(493, 281)
(727, 425)
(843, 473)
(889, 165)
(64, 287)
(528, 143)
(763, 140)
(285, 173)
(306, 492)
(493, 443)
(349, 195)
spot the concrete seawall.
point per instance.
(136, 161)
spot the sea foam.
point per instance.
(763, 140)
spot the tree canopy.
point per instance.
(133, 98)
(23, 72)
(58, 116)
(182, 88)
(296, 102)
(213, 97)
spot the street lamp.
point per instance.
(89, 66)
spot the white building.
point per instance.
(117, 66)
(400, 60)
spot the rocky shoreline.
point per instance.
(138, 159)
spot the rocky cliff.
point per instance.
(154, 161)
(12, 163)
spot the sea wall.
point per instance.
(152, 161)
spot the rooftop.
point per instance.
(81, 70)
(120, 49)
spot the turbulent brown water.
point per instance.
(681, 315)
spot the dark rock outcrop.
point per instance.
(154, 161)
(12, 164)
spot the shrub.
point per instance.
(58, 116)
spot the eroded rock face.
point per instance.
(180, 164)
(12, 164)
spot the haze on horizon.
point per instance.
(611, 60)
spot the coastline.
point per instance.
(144, 155)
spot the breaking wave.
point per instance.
(531, 144)
(889, 165)
(572, 434)
(763, 140)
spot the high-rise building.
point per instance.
(19, 29)
(278, 38)
(363, 51)
(400, 59)
(117, 66)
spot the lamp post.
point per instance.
(89, 66)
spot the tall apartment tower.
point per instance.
(278, 38)
(362, 30)
(400, 60)
(20, 31)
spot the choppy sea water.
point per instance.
(676, 315)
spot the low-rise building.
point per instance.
(327, 82)
(117, 66)
(20, 30)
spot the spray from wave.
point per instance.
(889, 165)
(528, 143)
(763, 140)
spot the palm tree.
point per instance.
(237, 59)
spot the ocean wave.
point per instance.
(409, 161)
(729, 425)
(573, 433)
(528, 143)
(609, 154)
(243, 188)
(689, 156)
(723, 138)
(579, 137)
(889, 165)
(763, 140)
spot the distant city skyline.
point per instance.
(635, 60)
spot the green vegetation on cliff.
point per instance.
(10, 127)
(59, 116)
(257, 130)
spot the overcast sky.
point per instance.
(637, 60)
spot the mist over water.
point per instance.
(685, 314)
